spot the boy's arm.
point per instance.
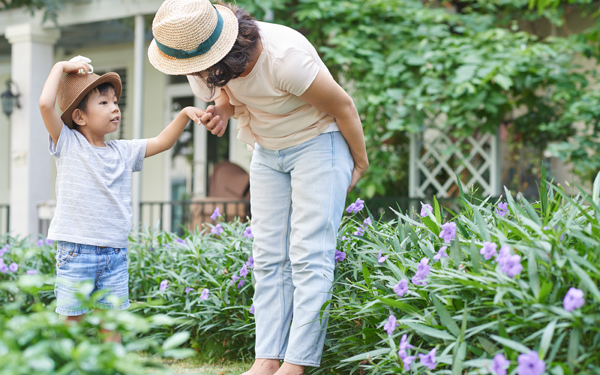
(47, 101)
(167, 138)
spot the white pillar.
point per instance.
(32, 57)
(139, 48)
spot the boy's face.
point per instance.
(102, 114)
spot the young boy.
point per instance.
(93, 214)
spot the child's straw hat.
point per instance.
(74, 86)
(191, 35)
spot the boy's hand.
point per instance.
(74, 67)
(194, 113)
(215, 119)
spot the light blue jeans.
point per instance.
(298, 196)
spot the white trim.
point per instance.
(76, 14)
(139, 47)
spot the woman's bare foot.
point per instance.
(263, 366)
(290, 369)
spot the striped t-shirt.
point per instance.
(93, 189)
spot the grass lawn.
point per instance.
(197, 365)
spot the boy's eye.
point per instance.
(104, 102)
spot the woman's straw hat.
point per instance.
(74, 87)
(191, 36)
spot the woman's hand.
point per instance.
(215, 120)
(357, 173)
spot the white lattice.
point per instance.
(436, 159)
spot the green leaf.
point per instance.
(573, 349)
(534, 279)
(436, 210)
(586, 280)
(503, 81)
(366, 275)
(547, 338)
(475, 260)
(432, 332)
(363, 356)
(544, 191)
(511, 344)
(176, 340)
(179, 353)
(487, 345)
(457, 255)
(399, 305)
(458, 358)
(481, 224)
(445, 316)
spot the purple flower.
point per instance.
(406, 359)
(428, 360)
(404, 343)
(359, 232)
(40, 242)
(217, 229)
(234, 279)
(513, 266)
(244, 271)
(3, 251)
(448, 232)
(49, 242)
(401, 288)
(380, 258)
(426, 209)
(215, 214)
(163, 285)
(502, 209)
(422, 271)
(573, 300)
(180, 240)
(344, 238)
(356, 206)
(500, 364)
(503, 256)
(14, 267)
(32, 272)
(241, 283)
(204, 294)
(367, 222)
(188, 289)
(530, 364)
(248, 233)
(391, 325)
(441, 254)
(488, 250)
(339, 256)
(251, 311)
(3, 268)
(250, 263)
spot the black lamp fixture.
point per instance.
(9, 99)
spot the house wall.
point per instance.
(4, 141)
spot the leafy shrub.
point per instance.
(470, 302)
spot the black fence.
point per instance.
(189, 215)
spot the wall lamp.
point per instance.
(9, 99)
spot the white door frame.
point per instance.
(176, 91)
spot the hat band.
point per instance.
(200, 50)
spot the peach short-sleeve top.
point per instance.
(267, 104)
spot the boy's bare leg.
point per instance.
(263, 366)
(113, 336)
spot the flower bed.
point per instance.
(501, 287)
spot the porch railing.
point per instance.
(176, 215)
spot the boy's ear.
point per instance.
(77, 117)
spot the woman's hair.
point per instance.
(240, 55)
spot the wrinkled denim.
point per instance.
(298, 197)
(106, 267)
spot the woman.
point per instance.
(309, 151)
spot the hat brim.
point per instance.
(173, 66)
(111, 77)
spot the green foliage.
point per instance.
(41, 343)
(469, 310)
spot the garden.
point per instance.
(500, 287)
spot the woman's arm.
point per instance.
(327, 96)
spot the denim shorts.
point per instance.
(106, 267)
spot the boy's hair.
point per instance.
(101, 89)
